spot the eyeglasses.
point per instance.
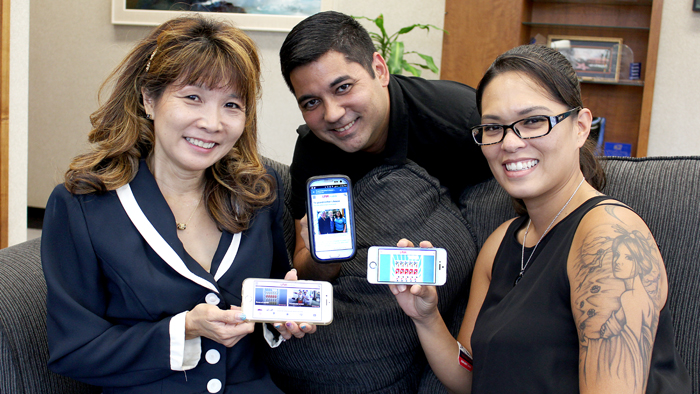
(528, 128)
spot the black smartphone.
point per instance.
(331, 218)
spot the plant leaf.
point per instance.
(362, 17)
(428, 26)
(393, 50)
(423, 66)
(407, 66)
(429, 62)
(396, 58)
(380, 24)
(406, 29)
(375, 36)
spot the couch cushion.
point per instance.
(665, 192)
(24, 350)
(371, 344)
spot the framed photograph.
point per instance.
(696, 5)
(267, 15)
(593, 58)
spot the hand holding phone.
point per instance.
(277, 300)
(331, 220)
(418, 301)
(406, 266)
(223, 326)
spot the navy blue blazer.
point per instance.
(112, 297)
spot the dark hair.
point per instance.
(182, 51)
(638, 247)
(323, 32)
(554, 73)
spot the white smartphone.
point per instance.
(331, 218)
(419, 266)
(277, 300)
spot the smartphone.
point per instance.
(331, 218)
(419, 266)
(277, 300)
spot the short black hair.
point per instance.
(323, 32)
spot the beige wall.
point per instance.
(74, 48)
(17, 182)
(675, 115)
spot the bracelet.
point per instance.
(465, 358)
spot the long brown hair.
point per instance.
(554, 73)
(182, 51)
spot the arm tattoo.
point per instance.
(610, 209)
(616, 303)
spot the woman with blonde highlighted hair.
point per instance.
(147, 242)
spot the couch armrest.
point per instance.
(24, 349)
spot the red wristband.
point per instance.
(465, 359)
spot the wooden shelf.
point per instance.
(573, 26)
(606, 2)
(622, 82)
(626, 104)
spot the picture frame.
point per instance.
(125, 12)
(593, 58)
(696, 5)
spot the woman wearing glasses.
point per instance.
(557, 303)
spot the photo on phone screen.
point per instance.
(390, 265)
(331, 218)
(278, 300)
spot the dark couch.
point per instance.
(665, 191)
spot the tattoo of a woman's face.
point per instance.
(616, 303)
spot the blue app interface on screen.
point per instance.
(331, 218)
(406, 266)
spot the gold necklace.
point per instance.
(183, 226)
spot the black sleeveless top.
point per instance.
(525, 339)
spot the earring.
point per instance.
(149, 117)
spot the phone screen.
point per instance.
(331, 218)
(287, 301)
(410, 266)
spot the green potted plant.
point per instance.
(392, 50)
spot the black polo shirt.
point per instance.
(429, 124)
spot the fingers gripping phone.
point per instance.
(419, 266)
(331, 218)
(276, 300)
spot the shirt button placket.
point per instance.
(214, 386)
(212, 356)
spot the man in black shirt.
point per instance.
(358, 117)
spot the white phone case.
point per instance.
(408, 266)
(276, 300)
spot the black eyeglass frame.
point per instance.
(551, 120)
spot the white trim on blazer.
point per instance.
(163, 249)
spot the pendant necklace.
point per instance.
(523, 263)
(183, 226)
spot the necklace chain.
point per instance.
(180, 225)
(523, 263)
(183, 226)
